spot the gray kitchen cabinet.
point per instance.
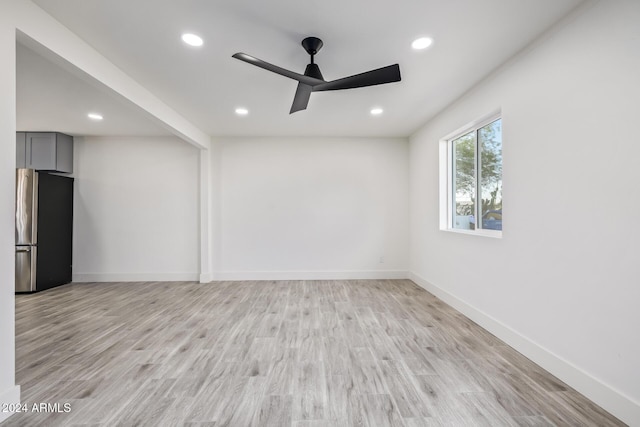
(21, 150)
(49, 151)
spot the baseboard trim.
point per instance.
(613, 401)
(311, 275)
(136, 277)
(206, 277)
(7, 397)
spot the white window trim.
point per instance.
(446, 176)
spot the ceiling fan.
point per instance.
(312, 80)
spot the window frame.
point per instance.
(447, 169)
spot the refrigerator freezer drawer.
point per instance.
(26, 257)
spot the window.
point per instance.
(474, 178)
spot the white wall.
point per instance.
(9, 392)
(312, 208)
(562, 285)
(136, 209)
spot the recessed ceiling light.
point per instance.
(192, 39)
(376, 111)
(94, 116)
(421, 43)
(242, 111)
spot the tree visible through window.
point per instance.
(476, 170)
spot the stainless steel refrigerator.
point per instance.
(44, 230)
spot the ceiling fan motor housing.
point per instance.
(313, 70)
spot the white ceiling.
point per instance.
(54, 95)
(142, 37)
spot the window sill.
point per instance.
(484, 233)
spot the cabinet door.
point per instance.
(21, 150)
(64, 153)
(41, 151)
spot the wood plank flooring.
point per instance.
(287, 353)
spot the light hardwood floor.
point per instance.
(288, 353)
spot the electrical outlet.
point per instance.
(381, 260)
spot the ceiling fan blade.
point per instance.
(301, 99)
(278, 70)
(380, 76)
